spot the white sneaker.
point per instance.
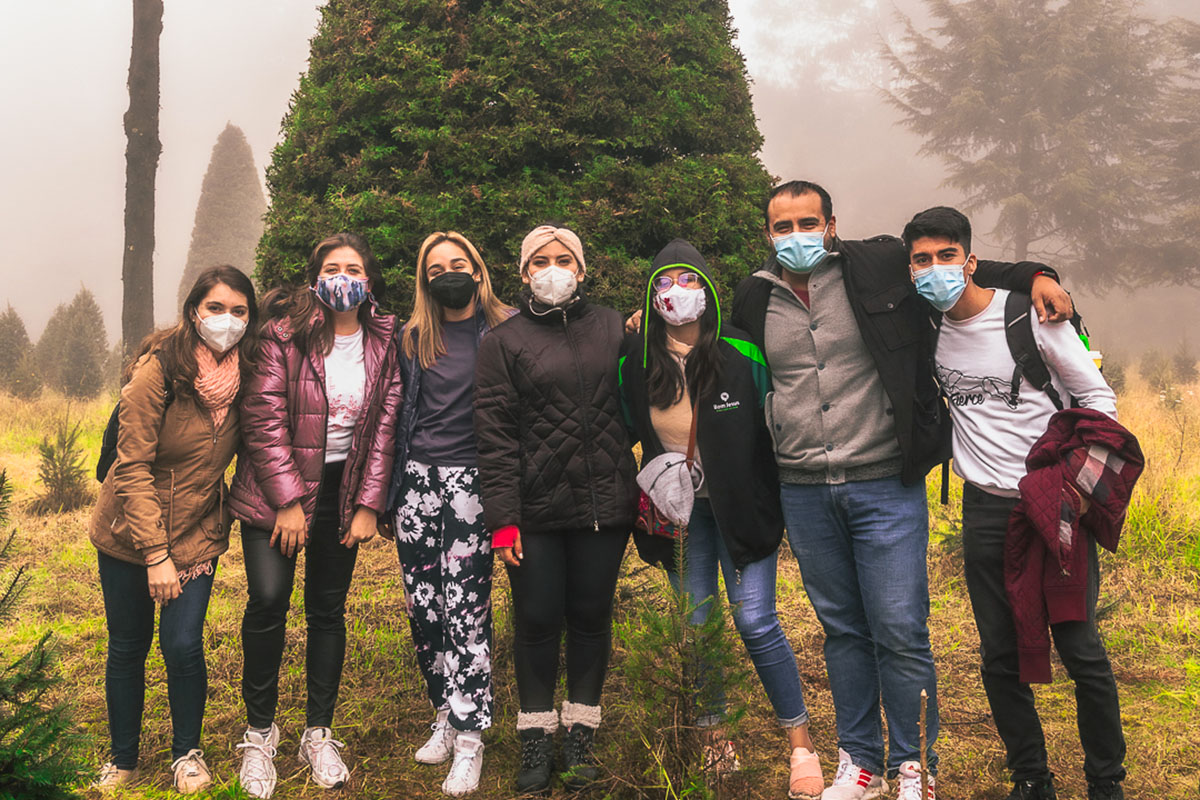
(852, 782)
(257, 774)
(111, 776)
(319, 750)
(468, 763)
(191, 773)
(440, 746)
(910, 782)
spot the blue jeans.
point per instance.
(861, 549)
(752, 602)
(129, 613)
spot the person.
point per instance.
(444, 548)
(160, 522)
(857, 422)
(318, 420)
(688, 359)
(556, 470)
(994, 432)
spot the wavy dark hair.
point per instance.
(299, 304)
(176, 345)
(664, 379)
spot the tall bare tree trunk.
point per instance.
(141, 165)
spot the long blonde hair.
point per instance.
(423, 333)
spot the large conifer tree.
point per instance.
(229, 216)
(73, 349)
(1042, 109)
(630, 121)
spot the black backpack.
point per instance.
(108, 443)
(1018, 331)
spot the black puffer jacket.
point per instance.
(554, 452)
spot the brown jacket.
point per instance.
(166, 489)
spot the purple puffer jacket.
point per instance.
(283, 416)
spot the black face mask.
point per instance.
(453, 289)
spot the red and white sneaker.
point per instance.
(852, 782)
(909, 786)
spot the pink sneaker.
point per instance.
(806, 781)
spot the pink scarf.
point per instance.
(217, 382)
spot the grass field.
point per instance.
(1151, 620)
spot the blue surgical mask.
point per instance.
(941, 284)
(801, 252)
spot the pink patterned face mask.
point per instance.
(679, 306)
(341, 292)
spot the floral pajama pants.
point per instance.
(446, 556)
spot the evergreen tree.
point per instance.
(25, 381)
(1176, 241)
(629, 121)
(14, 345)
(229, 216)
(39, 752)
(1042, 109)
(73, 349)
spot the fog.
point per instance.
(63, 68)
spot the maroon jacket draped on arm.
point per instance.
(1045, 552)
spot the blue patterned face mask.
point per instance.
(341, 292)
(941, 284)
(801, 251)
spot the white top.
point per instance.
(345, 385)
(992, 437)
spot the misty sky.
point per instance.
(63, 67)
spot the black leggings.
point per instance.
(328, 570)
(567, 575)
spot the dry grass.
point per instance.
(1151, 594)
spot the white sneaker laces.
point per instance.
(256, 762)
(191, 763)
(843, 772)
(323, 755)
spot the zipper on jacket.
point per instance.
(171, 512)
(587, 428)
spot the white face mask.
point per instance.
(553, 285)
(220, 331)
(679, 306)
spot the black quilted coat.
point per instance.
(554, 453)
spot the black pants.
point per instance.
(567, 575)
(985, 520)
(328, 569)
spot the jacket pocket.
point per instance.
(891, 313)
(769, 412)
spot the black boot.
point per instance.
(537, 758)
(1105, 790)
(1041, 789)
(579, 764)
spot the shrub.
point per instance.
(40, 753)
(25, 381)
(630, 122)
(1155, 370)
(1114, 373)
(1183, 364)
(665, 655)
(64, 479)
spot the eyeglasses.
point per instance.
(688, 280)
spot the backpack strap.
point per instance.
(1018, 331)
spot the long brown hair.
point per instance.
(423, 333)
(176, 345)
(300, 304)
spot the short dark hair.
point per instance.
(795, 188)
(939, 222)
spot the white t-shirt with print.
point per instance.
(992, 436)
(345, 385)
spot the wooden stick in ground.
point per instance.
(924, 757)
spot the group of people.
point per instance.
(815, 409)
